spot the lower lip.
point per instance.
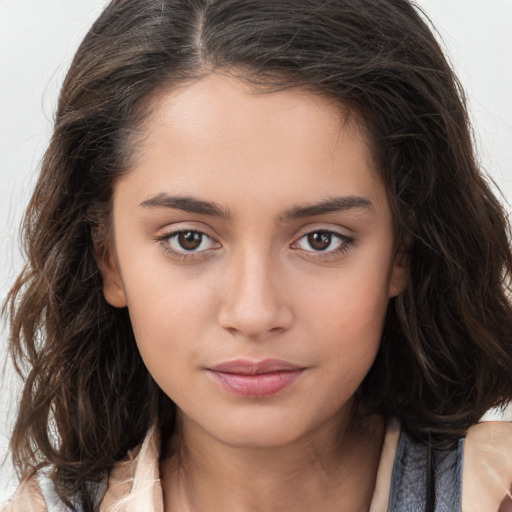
(256, 386)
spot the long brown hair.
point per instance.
(446, 351)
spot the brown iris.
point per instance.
(320, 240)
(189, 240)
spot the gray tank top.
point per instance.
(409, 479)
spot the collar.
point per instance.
(134, 484)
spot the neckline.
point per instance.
(380, 499)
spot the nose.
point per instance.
(255, 304)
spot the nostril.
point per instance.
(506, 503)
(255, 336)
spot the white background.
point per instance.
(37, 41)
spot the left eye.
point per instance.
(322, 241)
(189, 241)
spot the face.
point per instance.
(253, 246)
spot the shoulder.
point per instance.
(134, 481)
(37, 494)
(28, 497)
(476, 476)
(487, 473)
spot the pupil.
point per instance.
(320, 240)
(189, 240)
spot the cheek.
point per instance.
(167, 339)
(166, 316)
(352, 339)
(171, 315)
(161, 297)
(347, 320)
(354, 299)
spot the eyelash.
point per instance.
(345, 243)
(165, 240)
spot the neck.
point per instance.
(333, 469)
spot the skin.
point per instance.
(257, 287)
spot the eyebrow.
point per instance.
(332, 205)
(187, 204)
(201, 207)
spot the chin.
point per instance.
(261, 439)
(260, 431)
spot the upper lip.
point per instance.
(246, 367)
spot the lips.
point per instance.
(255, 379)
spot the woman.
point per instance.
(264, 270)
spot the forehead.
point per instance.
(218, 135)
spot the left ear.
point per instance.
(399, 273)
